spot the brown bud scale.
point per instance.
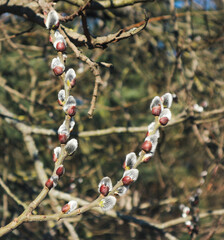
(163, 121)
(60, 47)
(58, 70)
(60, 171)
(147, 134)
(49, 183)
(62, 138)
(71, 111)
(104, 190)
(54, 158)
(156, 110)
(127, 180)
(147, 146)
(65, 208)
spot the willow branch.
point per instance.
(34, 154)
(173, 222)
(32, 12)
(86, 30)
(71, 230)
(199, 119)
(30, 218)
(22, 127)
(93, 66)
(29, 10)
(102, 42)
(17, 34)
(106, 4)
(202, 142)
(85, 5)
(13, 196)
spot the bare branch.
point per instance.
(106, 4)
(102, 42)
(71, 17)
(13, 196)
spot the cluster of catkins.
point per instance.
(160, 109)
(65, 100)
(193, 210)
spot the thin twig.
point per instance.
(77, 13)
(202, 142)
(86, 30)
(15, 198)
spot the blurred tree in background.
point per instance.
(180, 50)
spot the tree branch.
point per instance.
(13, 196)
(93, 66)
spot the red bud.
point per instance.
(60, 171)
(127, 180)
(54, 158)
(49, 183)
(58, 70)
(50, 39)
(71, 111)
(104, 190)
(65, 208)
(146, 146)
(163, 121)
(62, 138)
(156, 110)
(60, 46)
